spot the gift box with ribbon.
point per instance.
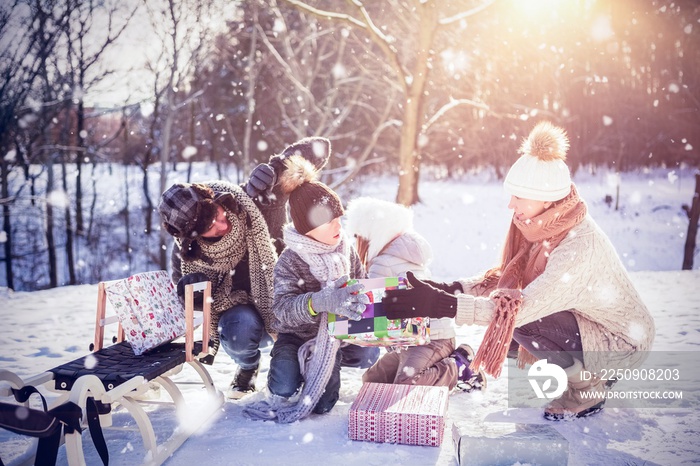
(374, 329)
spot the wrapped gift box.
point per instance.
(374, 329)
(148, 308)
(391, 413)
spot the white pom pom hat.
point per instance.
(541, 173)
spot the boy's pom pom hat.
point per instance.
(541, 173)
(311, 203)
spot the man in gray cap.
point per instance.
(231, 235)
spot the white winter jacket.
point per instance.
(395, 248)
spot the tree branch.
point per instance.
(466, 14)
(375, 33)
(449, 106)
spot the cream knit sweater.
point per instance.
(583, 275)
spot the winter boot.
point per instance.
(468, 380)
(243, 383)
(582, 397)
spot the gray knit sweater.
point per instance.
(293, 287)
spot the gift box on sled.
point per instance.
(374, 329)
(148, 309)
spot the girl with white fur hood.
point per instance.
(388, 247)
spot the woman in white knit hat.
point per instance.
(560, 291)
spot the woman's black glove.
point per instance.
(421, 300)
(451, 288)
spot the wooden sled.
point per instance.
(113, 376)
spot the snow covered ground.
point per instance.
(465, 221)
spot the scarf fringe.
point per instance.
(494, 348)
(525, 358)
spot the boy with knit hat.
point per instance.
(224, 233)
(310, 281)
(560, 291)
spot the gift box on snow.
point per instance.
(489, 443)
(374, 329)
(392, 413)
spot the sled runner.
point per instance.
(122, 374)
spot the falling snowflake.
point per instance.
(339, 71)
(188, 152)
(22, 413)
(58, 199)
(468, 199)
(636, 331)
(90, 361)
(422, 140)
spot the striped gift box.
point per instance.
(374, 329)
(407, 414)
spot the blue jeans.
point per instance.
(556, 338)
(242, 334)
(360, 357)
(285, 378)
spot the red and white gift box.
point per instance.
(391, 413)
(148, 309)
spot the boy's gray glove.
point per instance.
(262, 179)
(348, 301)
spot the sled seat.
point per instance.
(117, 364)
(114, 376)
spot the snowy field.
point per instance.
(465, 221)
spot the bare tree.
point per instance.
(183, 35)
(13, 92)
(411, 69)
(295, 78)
(92, 28)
